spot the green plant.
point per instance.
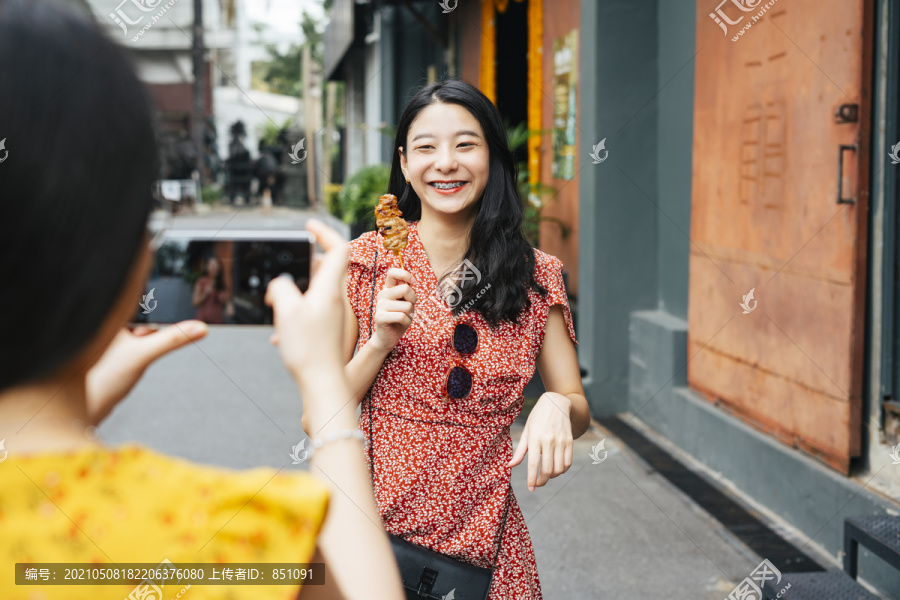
(268, 132)
(533, 196)
(355, 203)
(331, 191)
(282, 72)
(210, 194)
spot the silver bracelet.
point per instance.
(340, 435)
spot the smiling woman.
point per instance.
(445, 372)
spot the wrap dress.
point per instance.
(441, 475)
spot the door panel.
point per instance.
(765, 216)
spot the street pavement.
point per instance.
(218, 217)
(612, 530)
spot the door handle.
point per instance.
(840, 174)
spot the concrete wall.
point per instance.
(618, 261)
(675, 79)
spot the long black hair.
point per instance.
(220, 277)
(497, 246)
(75, 186)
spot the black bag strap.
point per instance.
(370, 399)
(369, 391)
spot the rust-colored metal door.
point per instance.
(779, 205)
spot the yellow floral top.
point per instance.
(129, 504)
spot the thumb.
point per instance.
(521, 449)
(171, 338)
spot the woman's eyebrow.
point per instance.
(458, 134)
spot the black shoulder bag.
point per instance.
(426, 573)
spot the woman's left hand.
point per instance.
(127, 357)
(548, 434)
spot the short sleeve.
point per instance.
(282, 512)
(550, 275)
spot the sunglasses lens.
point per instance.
(459, 383)
(465, 338)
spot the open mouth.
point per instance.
(447, 185)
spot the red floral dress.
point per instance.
(441, 474)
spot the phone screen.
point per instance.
(221, 277)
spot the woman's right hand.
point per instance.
(308, 325)
(394, 308)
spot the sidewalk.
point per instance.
(616, 530)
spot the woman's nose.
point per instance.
(445, 161)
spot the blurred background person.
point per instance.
(266, 172)
(238, 166)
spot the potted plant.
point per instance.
(355, 202)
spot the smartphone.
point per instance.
(220, 277)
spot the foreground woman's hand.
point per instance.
(308, 326)
(126, 359)
(352, 542)
(548, 436)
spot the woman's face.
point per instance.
(212, 267)
(447, 159)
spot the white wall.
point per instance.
(254, 108)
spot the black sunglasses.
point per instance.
(458, 382)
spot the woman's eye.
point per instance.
(466, 144)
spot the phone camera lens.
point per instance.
(285, 257)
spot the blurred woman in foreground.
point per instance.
(74, 258)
